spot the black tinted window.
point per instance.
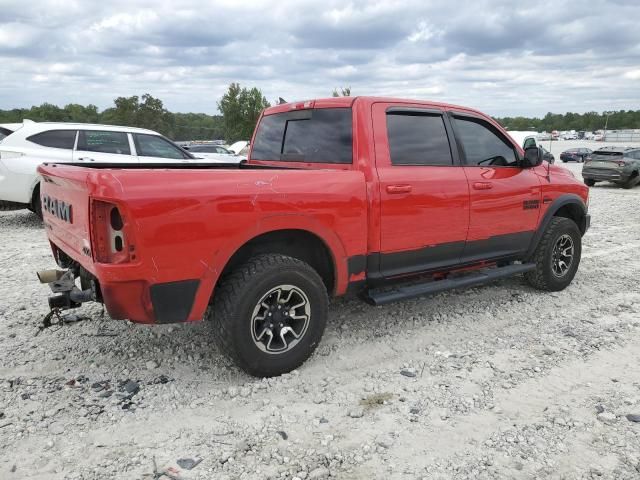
(55, 138)
(482, 146)
(103, 141)
(4, 132)
(156, 146)
(203, 149)
(320, 136)
(418, 140)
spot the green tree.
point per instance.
(344, 92)
(240, 110)
(132, 112)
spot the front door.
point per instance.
(505, 198)
(424, 195)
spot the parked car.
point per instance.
(445, 200)
(215, 153)
(575, 155)
(23, 150)
(570, 136)
(613, 164)
(237, 147)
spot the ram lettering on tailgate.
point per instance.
(57, 208)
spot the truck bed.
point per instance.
(185, 222)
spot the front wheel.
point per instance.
(557, 256)
(269, 314)
(589, 182)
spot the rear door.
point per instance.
(423, 190)
(103, 146)
(505, 198)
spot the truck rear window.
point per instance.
(322, 135)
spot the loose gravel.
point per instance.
(501, 381)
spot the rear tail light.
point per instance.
(111, 237)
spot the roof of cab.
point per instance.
(345, 102)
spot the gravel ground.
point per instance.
(500, 381)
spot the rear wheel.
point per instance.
(269, 314)
(589, 182)
(557, 256)
(36, 204)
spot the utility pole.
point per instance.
(606, 123)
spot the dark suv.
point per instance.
(619, 165)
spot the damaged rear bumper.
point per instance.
(137, 300)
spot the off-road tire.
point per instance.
(589, 182)
(238, 294)
(543, 277)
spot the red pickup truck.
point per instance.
(385, 198)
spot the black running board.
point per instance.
(384, 295)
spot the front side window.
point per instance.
(55, 138)
(417, 139)
(156, 146)
(482, 146)
(320, 135)
(103, 141)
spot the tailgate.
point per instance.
(65, 210)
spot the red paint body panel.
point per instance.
(186, 224)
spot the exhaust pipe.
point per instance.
(48, 276)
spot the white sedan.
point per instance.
(34, 143)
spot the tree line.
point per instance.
(240, 108)
(590, 121)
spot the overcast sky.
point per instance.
(505, 60)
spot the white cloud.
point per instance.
(503, 58)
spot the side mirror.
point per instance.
(532, 157)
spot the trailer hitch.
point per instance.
(66, 295)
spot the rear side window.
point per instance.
(156, 146)
(103, 141)
(55, 138)
(322, 135)
(417, 139)
(482, 146)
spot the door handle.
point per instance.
(398, 189)
(482, 185)
(86, 159)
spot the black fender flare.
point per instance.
(558, 203)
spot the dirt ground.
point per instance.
(501, 381)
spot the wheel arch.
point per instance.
(568, 206)
(302, 244)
